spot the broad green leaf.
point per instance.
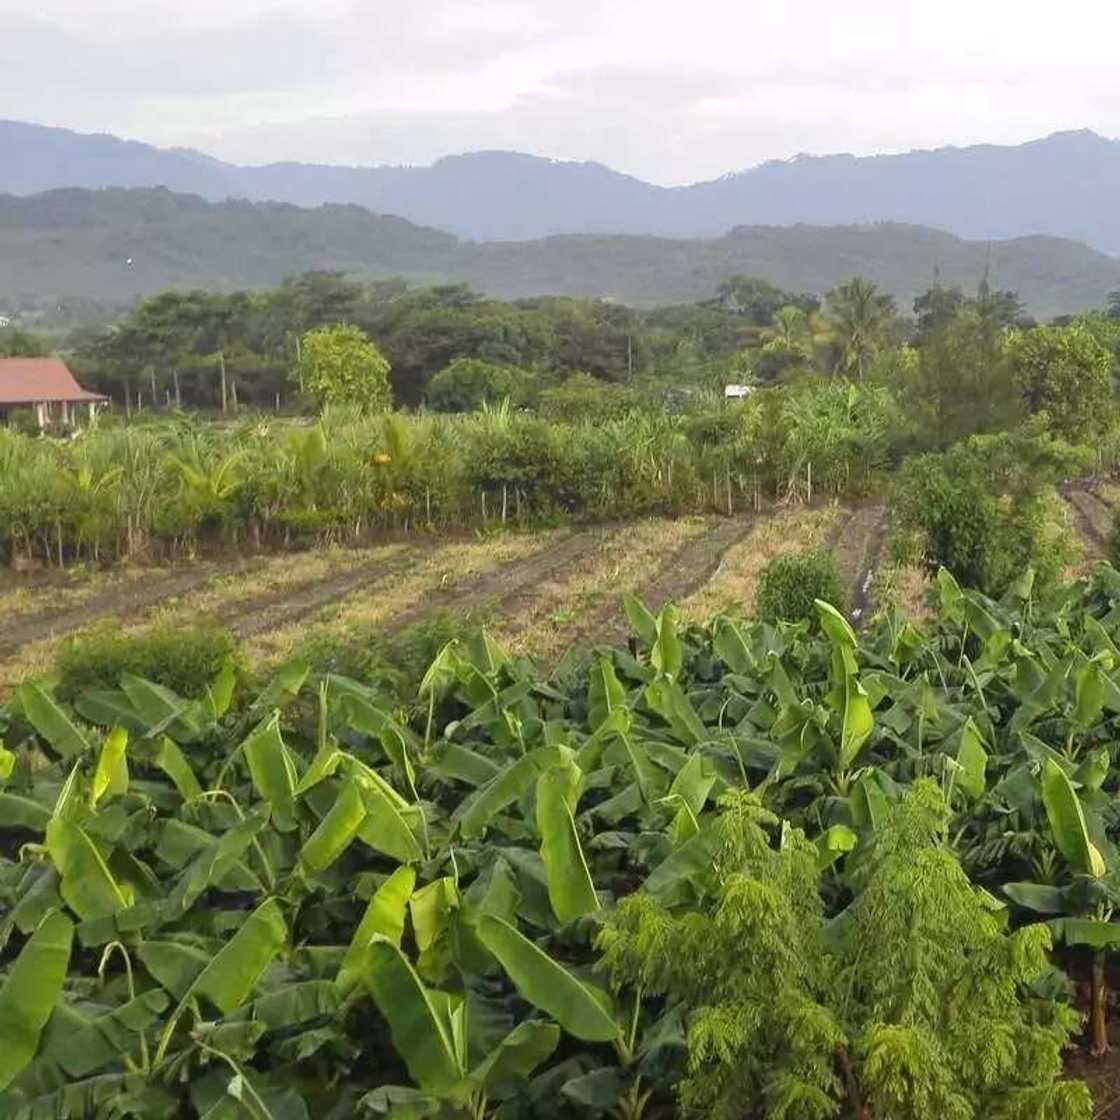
(111, 774)
(835, 625)
(1094, 769)
(858, 722)
(50, 721)
(173, 965)
(272, 772)
(693, 783)
(605, 693)
(384, 917)
(7, 762)
(160, 707)
(668, 700)
(430, 908)
(1086, 931)
(1067, 822)
(171, 760)
(383, 827)
(87, 884)
(684, 869)
(1089, 693)
(474, 814)
(90, 1043)
(221, 690)
(579, 1008)
(833, 843)
(973, 760)
(283, 688)
(517, 1055)
(464, 765)
(730, 645)
(643, 622)
(335, 830)
(868, 802)
(952, 598)
(110, 708)
(232, 974)
(377, 724)
(421, 1035)
(17, 811)
(1039, 897)
(570, 889)
(667, 655)
(29, 993)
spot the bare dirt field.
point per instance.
(542, 592)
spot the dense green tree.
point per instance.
(937, 307)
(339, 365)
(915, 1003)
(860, 317)
(959, 382)
(759, 300)
(1067, 373)
(468, 383)
(18, 343)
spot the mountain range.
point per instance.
(113, 245)
(1065, 185)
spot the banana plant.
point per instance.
(1083, 906)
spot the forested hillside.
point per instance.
(116, 245)
(1064, 185)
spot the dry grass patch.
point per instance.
(904, 587)
(572, 603)
(793, 529)
(444, 570)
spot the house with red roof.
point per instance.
(45, 385)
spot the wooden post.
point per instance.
(178, 391)
(128, 398)
(222, 367)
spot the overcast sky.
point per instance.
(669, 91)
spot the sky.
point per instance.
(672, 92)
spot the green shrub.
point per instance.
(183, 658)
(982, 509)
(791, 582)
(394, 663)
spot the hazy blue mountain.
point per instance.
(113, 245)
(1065, 185)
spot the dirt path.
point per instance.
(857, 552)
(1093, 519)
(130, 600)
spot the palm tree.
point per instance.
(859, 315)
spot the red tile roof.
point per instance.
(30, 380)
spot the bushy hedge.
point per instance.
(183, 658)
(793, 581)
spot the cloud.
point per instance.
(669, 92)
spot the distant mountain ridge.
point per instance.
(1065, 185)
(114, 245)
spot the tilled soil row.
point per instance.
(498, 589)
(681, 573)
(271, 610)
(130, 601)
